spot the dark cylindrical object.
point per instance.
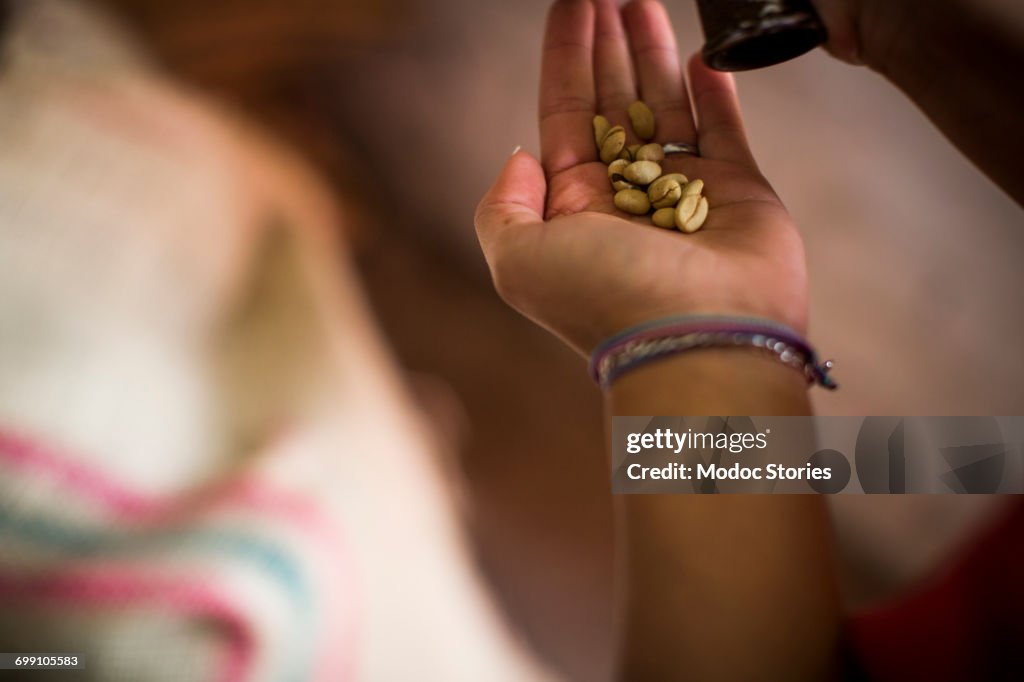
(749, 34)
(5, 12)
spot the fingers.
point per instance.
(656, 56)
(720, 124)
(613, 69)
(567, 103)
(840, 20)
(587, 66)
(516, 199)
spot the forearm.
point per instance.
(960, 62)
(723, 587)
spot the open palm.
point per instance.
(558, 249)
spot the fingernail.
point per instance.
(516, 150)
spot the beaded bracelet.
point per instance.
(649, 341)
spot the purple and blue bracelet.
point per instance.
(659, 338)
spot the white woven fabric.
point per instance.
(208, 465)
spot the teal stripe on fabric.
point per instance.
(86, 542)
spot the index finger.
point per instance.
(567, 87)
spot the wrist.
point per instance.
(774, 298)
(712, 381)
(699, 365)
(586, 338)
(793, 316)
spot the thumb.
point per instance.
(516, 199)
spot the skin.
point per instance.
(757, 600)
(563, 256)
(959, 60)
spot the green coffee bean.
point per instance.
(696, 221)
(665, 217)
(613, 143)
(601, 128)
(642, 119)
(649, 152)
(664, 192)
(685, 209)
(642, 172)
(632, 201)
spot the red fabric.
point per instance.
(965, 624)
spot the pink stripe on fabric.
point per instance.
(26, 455)
(337, 662)
(114, 586)
(118, 499)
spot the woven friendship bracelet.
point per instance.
(656, 339)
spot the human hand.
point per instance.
(840, 18)
(558, 250)
(861, 31)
